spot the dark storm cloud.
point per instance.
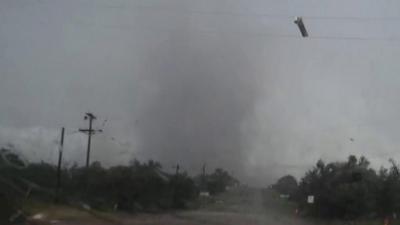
(202, 91)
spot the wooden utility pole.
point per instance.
(89, 116)
(177, 169)
(60, 153)
(203, 180)
(204, 170)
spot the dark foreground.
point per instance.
(241, 206)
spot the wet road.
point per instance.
(239, 207)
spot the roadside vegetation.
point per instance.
(345, 190)
(137, 187)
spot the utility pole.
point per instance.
(177, 169)
(60, 153)
(89, 116)
(204, 170)
(204, 182)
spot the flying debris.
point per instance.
(302, 28)
(104, 123)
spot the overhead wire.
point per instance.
(241, 14)
(252, 14)
(356, 38)
(260, 15)
(254, 34)
(258, 34)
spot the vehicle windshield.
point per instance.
(199, 112)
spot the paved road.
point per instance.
(237, 207)
(245, 208)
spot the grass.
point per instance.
(239, 206)
(68, 213)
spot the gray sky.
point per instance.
(222, 82)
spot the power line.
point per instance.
(253, 14)
(355, 38)
(240, 14)
(254, 34)
(393, 18)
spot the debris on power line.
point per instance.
(299, 22)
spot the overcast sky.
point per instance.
(228, 83)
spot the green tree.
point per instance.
(286, 185)
(342, 189)
(219, 180)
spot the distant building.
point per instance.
(204, 194)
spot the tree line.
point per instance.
(137, 187)
(346, 190)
